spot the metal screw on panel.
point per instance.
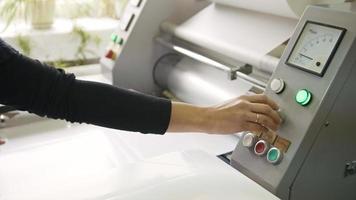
(326, 124)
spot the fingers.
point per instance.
(266, 110)
(256, 128)
(261, 98)
(262, 120)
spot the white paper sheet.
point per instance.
(197, 83)
(241, 34)
(286, 8)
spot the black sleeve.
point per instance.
(29, 85)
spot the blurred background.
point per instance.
(63, 33)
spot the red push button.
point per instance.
(261, 148)
(110, 55)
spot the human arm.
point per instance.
(35, 87)
(255, 113)
(32, 86)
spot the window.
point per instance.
(62, 32)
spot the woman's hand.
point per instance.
(254, 113)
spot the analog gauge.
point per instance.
(315, 47)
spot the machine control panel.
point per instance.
(314, 86)
(121, 35)
(266, 145)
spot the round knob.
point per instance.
(249, 140)
(274, 155)
(277, 85)
(261, 148)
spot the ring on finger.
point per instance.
(257, 118)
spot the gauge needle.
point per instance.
(306, 56)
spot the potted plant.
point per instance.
(40, 13)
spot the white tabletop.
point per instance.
(55, 160)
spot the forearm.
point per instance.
(112, 107)
(189, 118)
(30, 85)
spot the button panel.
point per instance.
(117, 39)
(266, 144)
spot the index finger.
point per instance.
(261, 98)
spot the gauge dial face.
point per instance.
(315, 47)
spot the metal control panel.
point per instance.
(133, 52)
(121, 35)
(310, 155)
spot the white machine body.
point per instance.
(318, 70)
(159, 48)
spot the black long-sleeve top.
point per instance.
(30, 85)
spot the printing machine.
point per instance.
(188, 51)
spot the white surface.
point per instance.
(194, 82)
(84, 164)
(53, 159)
(245, 39)
(193, 175)
(135, 2)
(286, 8)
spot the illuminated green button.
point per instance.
(114, 37)
(303, 97)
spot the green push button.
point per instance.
(120, 41)
(117, 39)
(303, 97)
(114, 37)
(274, 155)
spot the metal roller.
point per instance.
(195, 82)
